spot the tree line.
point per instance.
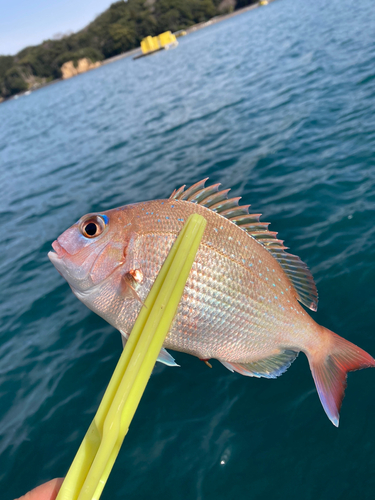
(118, 29)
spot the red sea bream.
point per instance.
(241, 301)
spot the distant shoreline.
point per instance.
(129, 53)
(192, 29)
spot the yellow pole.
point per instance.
(94, 460)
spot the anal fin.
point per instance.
(270, 367)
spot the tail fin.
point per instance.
(330, 371)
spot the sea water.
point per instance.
(278, 104)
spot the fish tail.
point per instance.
(330, 366)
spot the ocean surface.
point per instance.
(277, 103)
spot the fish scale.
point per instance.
(241, 301)
(225, 266)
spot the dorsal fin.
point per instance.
(217, 201)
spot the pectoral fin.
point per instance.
(164, 356)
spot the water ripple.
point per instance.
(277, 103)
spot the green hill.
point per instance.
(120, 28)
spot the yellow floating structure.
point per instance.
(167, 40)
(150, 44)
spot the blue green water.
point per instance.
(277, 103)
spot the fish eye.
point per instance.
(93, 226)
(91, 229)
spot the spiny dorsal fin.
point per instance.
(217, 201)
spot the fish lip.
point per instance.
(56, 256)
(53, 256)
(59, 251)
(56, 261)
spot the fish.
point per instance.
(243, 301)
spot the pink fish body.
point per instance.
(241, 301)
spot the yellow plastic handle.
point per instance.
(94, 460)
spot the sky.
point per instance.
(29, 22)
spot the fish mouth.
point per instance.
(77, 274)
(58, 250)
(69, 270)
(56, 257)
